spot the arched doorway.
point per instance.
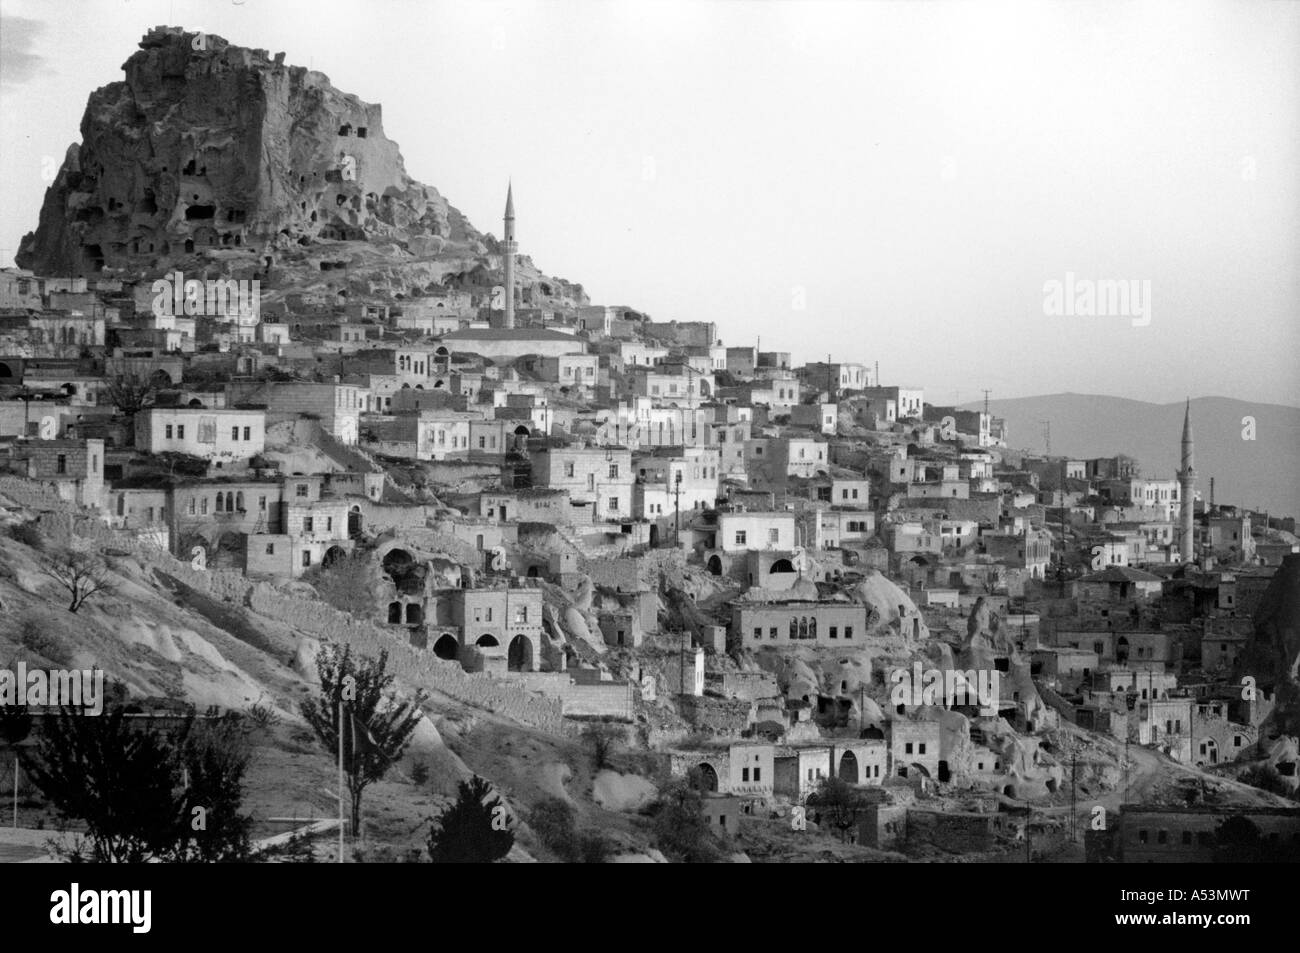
(487, 642)
(520, 656)
(414, 614)
(849, 767)
(403, 570)
(781, 565)
(715, 565)
(446, 647)
(332, 555)
(707, 776)
(354, 521)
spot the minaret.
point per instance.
(508, 257)
(1187, 485)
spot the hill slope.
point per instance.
(1258, 473)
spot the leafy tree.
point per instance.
(377, 728)
(474, 830)
(82, 574)
(136, 787)
(215, 754)
(120, 780)
(680, 828)
(15, 724)
(838, 803)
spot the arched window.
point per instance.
(220, 504)
(239, 501)
(812, 628)
(794, 628)
(803, 628)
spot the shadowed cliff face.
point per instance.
(1273, 655)
(212, 157)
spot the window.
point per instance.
(261, 503)
(482, 443)
(478, 615)
(771, 633)
(744, 775)
(848, 631)
(1162, 837)
(613, 471)
(248, 433)
(907, 748)
(308, 524)
(300, 489)
(168, 431)
(191, 507)
(835, 632)
(741, 537)
(758, 775)
(270, 549)
(920, 748)
(306, 557)
(613, 502)
(203, 506)
(234, 433)
(1142, 837)
(329, 524)
(774, 536)
(521, 614)
(1187, 837)
(61, 464)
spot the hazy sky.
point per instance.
(911, 173)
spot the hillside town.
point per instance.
(762, 575)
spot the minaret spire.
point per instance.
(1187, 488)
(508, 256)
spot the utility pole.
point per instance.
(677, 508)
(1074, 797)
(340, 729)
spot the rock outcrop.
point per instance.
(1272, 656)
(222, 160)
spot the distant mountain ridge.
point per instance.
(1262, 473)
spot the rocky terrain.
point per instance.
(223, 161)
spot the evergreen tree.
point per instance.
(474, 830)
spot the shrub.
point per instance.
(28, 534)
(36, 637)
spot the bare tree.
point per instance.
(131, 393)
(82, 574)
